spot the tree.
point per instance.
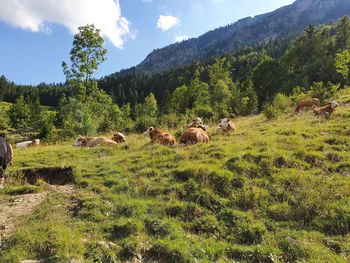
(221, 86)
(343, 33)
(249, 98)
(179, 100)
(149, 107)
(269, 78)
(342, 61)
(86, 55)
(19, 114)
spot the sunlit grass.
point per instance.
(272, 190)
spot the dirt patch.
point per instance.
(51, 175)
(23, 205)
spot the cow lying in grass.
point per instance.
(90, 142)
(226, 126)
(160, 137)
(307, 103)
(119, 137)
(27, 144)
(326, 110)
(194, 135)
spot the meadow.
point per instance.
(273, 191)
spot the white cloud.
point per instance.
(147, 1)
(36, 16)
(166, 22)
(180, 38)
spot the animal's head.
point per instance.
(80, 141)
(36, 142)
(197, 121)
(334, 104)
(119, 137)
(224, 123)
(148, 131)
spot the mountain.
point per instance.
(284, 21)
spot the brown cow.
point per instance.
(194, 135)
(326, 110)
(226, 126)
(160, 137)
(119, 137)
(307, 103)
(90, 142)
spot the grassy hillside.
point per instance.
(274, 191)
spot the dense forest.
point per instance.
(240, 83)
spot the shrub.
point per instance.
(271, 112)
(282, 102)
(144, 122)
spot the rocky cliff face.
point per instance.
(248, 31)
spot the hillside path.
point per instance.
(23, 205)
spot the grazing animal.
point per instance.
(307, 103)
(27, 144)
(326, 110)
(194, 135)
(90, 142)
(226, 126)
(160, 137)
(119, 137)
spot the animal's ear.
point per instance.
(228, 119)
(151, 129)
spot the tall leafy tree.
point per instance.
(86, 55)
(19, 114)
(342, 61)
(269, 78)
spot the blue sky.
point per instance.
(37, 35)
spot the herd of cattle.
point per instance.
(193, 133)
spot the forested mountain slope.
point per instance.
(246, 32)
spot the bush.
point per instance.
(279, 105)
(143, 123)
(282, 102)
(271, 112)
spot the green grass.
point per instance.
(274, 190)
